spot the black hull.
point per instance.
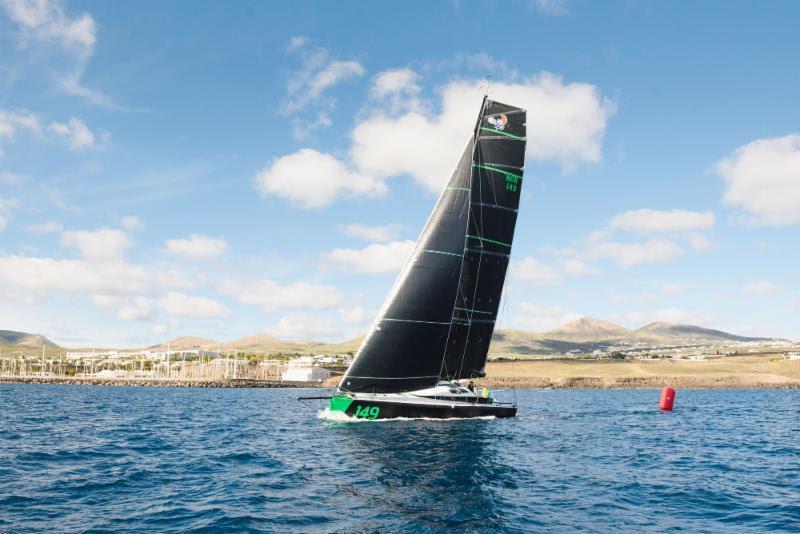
(388, 409)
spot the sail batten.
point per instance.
(438, 319)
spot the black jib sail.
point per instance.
(439, 317)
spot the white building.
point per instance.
(304, 369)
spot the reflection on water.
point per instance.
(429, 472)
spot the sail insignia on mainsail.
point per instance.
(436, 324)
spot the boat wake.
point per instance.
(340, 417)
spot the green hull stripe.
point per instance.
(439, 252)
(512, 136)
(495, 169)
(472, 311)
(479, 238)
(340, 403)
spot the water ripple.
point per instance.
(93, 459)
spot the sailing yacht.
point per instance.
(433, 332)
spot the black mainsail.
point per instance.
(437, 321)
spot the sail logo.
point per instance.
(498, 121)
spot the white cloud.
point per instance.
(761, 288)
(159, 328)
(652, 221)
(356, 315)
(97, 245)
(75, 131)
(394, 81)
(332, 74)
(47, 227)
(399, 88)
(556, 8)
(376, 258)
(763, 178)
(25, 276)
(10, 178)
(699, 242)
(7, 205)
(70, 41)
(380, 233)
(673, 289)
(180, 304)
(46, 20)
(578, 268)
(662, 231)
(569, 127)
(272, 296)
(530, 269)
(304, 326)
(56, 198)
(126, 308)
(197, 246)
(631, 254)
(317, 73)
(11, 120)
(312, 179)
(79, 135)
(296, 42)
(543, 317)
(132, 223)
(302, 129)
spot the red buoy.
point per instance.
(667, 399)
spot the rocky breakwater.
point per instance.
(145, 382)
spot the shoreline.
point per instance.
(741, 372)
(146, 382)
(591, 382)
(497, 383)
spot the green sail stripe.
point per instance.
(479, 238)
(512, 136)
(473, 310)
(458, 188)
(495, 169)
(439, 252)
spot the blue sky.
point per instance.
(226, 169)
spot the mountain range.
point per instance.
(584, 335)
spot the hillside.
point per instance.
(26, 340)
(187, 343)
(583, 335)
(257, 342)
(587, 329)
(684, 332)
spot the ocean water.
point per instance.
(75, 459)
